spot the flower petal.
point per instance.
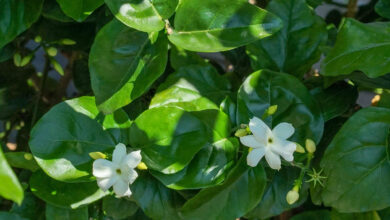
(121, 188)
(103, 168)
(133, 159)
(285, 149)
(273, 160)
(131, 176)
(251, 141)
(255, 156)
(283, 130)
(259, 129)
(106, 183)
(119, 153)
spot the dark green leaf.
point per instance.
(16, 17)
(31, 207)
(218, 25)
(295, 104)
(170, 137)
(143, 15)
(181, 58)
(10, 187)
(124, 63)
(64, 195)
(119, 208)
(310, 215)
(238, 194)
(297, 46)
(22, 160)
(382, 7)
(52, 10)
(208, 168)
(79, 10)
(357, 157)
(369, 54)
(7, 215)
(355, 216)
(57, 213)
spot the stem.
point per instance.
(41, 90)
(351, 8)
(299, 182)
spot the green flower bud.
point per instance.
(26, 60)
(310, 146)
(17, 59)
(97, 155)
(52, 51)
(299, 148)
(67, 41)
(38, 39)
(241, 132)
(292, 196)
(142, 166)
(28, 156)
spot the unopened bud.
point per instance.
(26, 60)
(67, 41)
(97, 155)
(142, 166)
(241, 132)
(28, 156)
(269, 111)
(17, 59)
(52, 51)
(38, 39)
(299, 148)
(292, 196)
(310, 146)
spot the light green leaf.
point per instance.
(219, 25)
(10, 187)
(124, 63)
(348, 168)
(53, 212)
(369, 54)
(143, 15)
(79, 10)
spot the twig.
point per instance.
(352, 8)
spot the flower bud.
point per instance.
(310, 146)
(38, 39)
(299, 148)
(241, 132)
(292, 196)
(67, 41)
(26, 60)
(52, 51)
(97, 155)
(142, 166)
(28, 156)
(17, 59)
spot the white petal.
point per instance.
(251, 141)
(121, 188)
(133, 159)
(103, 168)
(273, 160)
(106, 183)
(283, 130)
(259, 129)
(285, 149)
(119, 153)
(255, 156)
(131, 176)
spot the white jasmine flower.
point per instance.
(119, 172)
(271, 143)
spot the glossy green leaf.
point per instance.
(296, 47)
(358, 157)
(219, 25)
(208, 168)
(363, 47)
(124, 63)
(10, 187)
(382, 7)
(16, 17)
(64, 195)
(193, 88)
(274, 199)
(143, 15)
(169, 137)
(157, 201)
(336, 99)
(79, 10)
(63, 138)
(310, 215)
(355, 216)
(179, 57)
(31, 207)
(22, 160)
(53, 212)
(119, 208)
(295, 104)
(238, 194)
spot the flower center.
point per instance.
(118, 171)
(270, 141)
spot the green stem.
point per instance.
(299, 181)
(41, 90)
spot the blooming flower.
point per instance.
(119, 172)
(271, 143)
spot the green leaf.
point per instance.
(369, 54)
(238, 194)
(79, 10)
(349, 169)
(10, 187)
(63, 138)
(22, 160)
(170, 137)
(64, 195)
(310, 215)
(31, 207)
(193, 88)
(382, 7)
(119, 208)
(219, 25)
(51, 10)
(179, 57)
(124, 63)
(8, 215)
(296, 47)
(355, 216)
(274, 199)
(157, 201)
(16, 17)
(335, 100)
(208, 168)
(53, 212)
(265, 88)
(143, 15)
